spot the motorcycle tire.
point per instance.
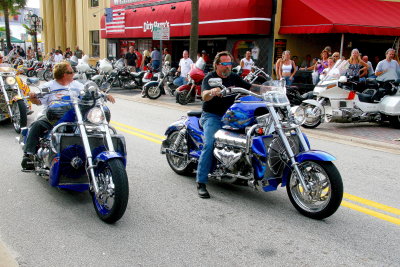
(182, 97)
(152, 91)
(30, 73)
(395, 121)
(114, 170)
(48, 75)
(310, 122)
(182, 166)
(327, 189)
(20, 115)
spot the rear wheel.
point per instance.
(48, 75)
(326, 189)
(178, 158)
(112, 180)
(20, 115)
(313, 116)
(152, 91)
(30, 73)
(395, 121)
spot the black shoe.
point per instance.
(202, 190)
(27, 163)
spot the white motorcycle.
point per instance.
(338, 99)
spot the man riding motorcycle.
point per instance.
(63, 74)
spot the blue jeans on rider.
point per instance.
(211, 123)
(180, 81)
(288, 80)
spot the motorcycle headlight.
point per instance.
(10, 80)
(95, 115)
(297, 115)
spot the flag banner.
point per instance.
(115, 20)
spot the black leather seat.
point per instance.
(194, 114)
(367, 98)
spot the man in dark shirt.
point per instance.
(214, 107)
(131, 59)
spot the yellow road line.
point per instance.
(139, 135)
(372, 204)
(370, 212)
(161, 137)
(345, 195)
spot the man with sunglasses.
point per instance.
(63, 78)
(214, 107)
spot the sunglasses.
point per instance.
(68, 72)
(226, 63)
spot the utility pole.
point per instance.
(194, 31)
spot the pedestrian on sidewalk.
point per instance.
(155, 59)
(131, 59)
(184, 67)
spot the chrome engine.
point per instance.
(230, 152)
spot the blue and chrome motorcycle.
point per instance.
(261, 143)
(82, 152)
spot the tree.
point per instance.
(2, 31)
(10, 7)
(194, 30)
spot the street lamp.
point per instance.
(35, 23)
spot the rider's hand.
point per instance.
(32, 95)
(111, 98)
(215, 92)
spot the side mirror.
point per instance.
(45, 90)
(32, 81)
(215, 82)
(343, 79)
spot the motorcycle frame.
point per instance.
(3, 90)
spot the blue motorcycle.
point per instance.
(260, 144)
(82, 152)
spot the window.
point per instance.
(94, 44)
(94, 3)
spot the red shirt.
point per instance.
(139, 58)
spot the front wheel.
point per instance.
(112, 180)
(182, 97)
(177, 157)
(313, 116)
(395, 121)
(20, 115)
(48, 75)
(326, 189)
(152, 91)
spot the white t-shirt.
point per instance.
(185, 65)
(58, 58)
(53, 85)
(247, 64)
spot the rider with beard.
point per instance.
(63, 74)
(214, 107)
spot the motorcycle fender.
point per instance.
(107, 155)
(148, 84)
(390, 105)
(313, 102)
(176, 126)
(317, 155)
(54, 175)
(185, 87)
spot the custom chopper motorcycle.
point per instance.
(13, 104)
(261, 144)
(83, 152)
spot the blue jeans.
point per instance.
(288, 80)
(155, 64)
(180, 81)
(211, 124)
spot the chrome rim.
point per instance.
(179, 163)
(106, 197)
(153, 91)
(16, 116)
(320, 187)
(313, 115)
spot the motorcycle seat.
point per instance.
(367, 98)
(137, 74)
(194, 114)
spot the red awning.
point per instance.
(216, 17)
(371, 17)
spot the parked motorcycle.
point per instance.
(188, 92)
(341, 99)
(82, 152)
(261, 143)
(13, 104)
(155, 89)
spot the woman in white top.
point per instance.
(246, 63)
(287, 68)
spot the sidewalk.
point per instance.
(6, 259)
(370, 135)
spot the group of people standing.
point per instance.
(137, 61)
(57, 55)
(359, 67)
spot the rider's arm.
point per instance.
(379, 71)
(364, 70)
(33, 98)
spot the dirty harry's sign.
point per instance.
(148, 26)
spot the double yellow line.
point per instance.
(363, 205)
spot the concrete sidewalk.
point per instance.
(6, 258)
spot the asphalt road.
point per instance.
(167, 224)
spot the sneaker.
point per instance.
(27, 163)
(202, 190)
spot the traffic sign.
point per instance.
(161, 33)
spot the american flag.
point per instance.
(115, 20)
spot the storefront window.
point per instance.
(94, 43)
(240, 47)
(94, 3)
(124, 46)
